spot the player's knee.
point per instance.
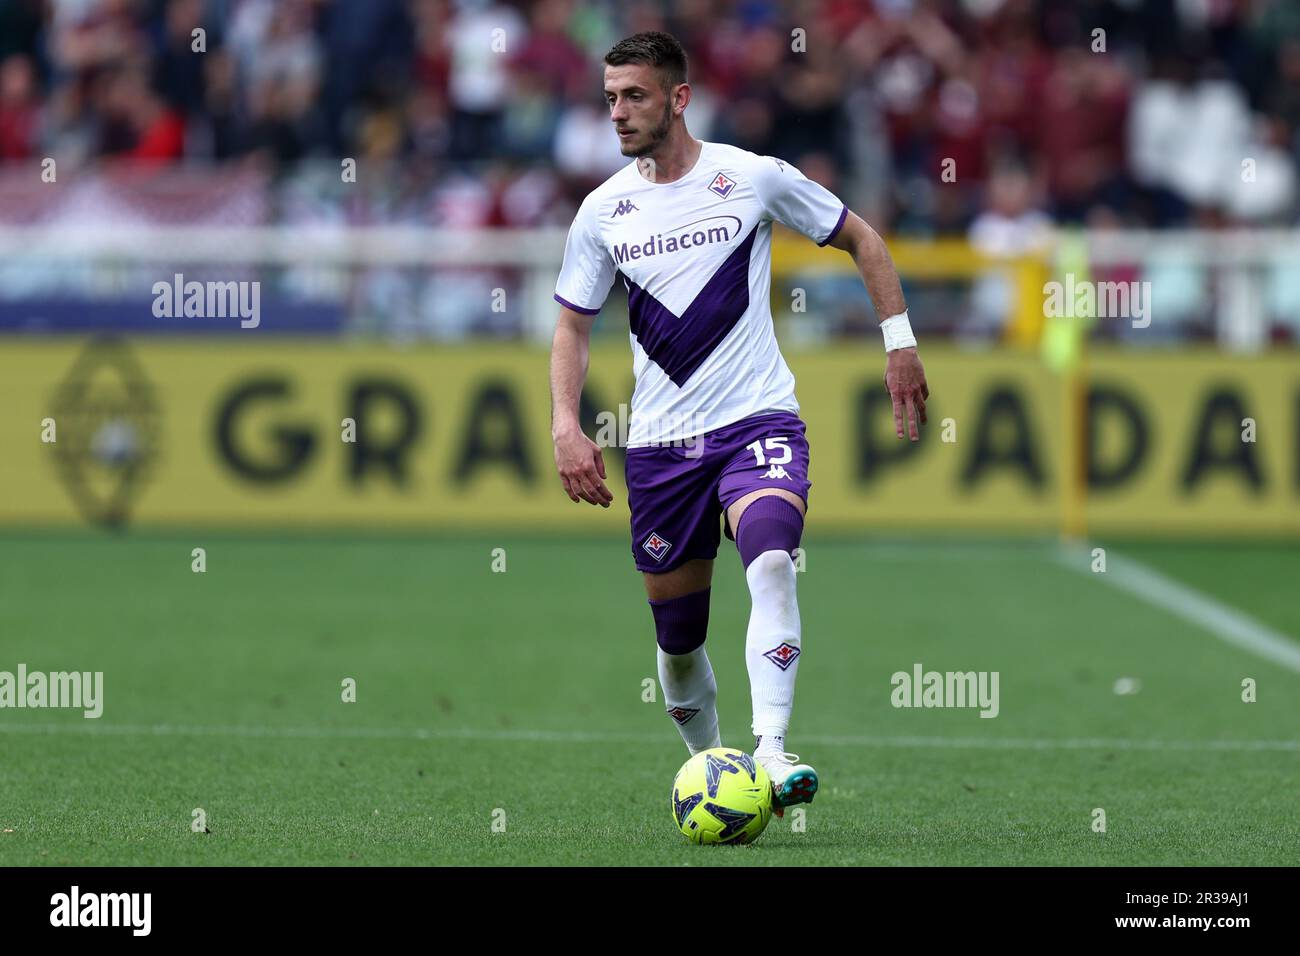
(769, 523)
(681, 623)
(771, 566)
(771, 580)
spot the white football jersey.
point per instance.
(695, 256)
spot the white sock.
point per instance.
(773, 640)
(691, 697)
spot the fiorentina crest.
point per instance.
(656, 546)
(682, 714)
(783, 655)
(722, 186)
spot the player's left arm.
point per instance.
(904, 374)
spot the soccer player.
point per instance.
(714, 427)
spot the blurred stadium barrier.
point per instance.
(247, 431)
(1239, 288)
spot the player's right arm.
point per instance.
(585, 280)
(577, 457)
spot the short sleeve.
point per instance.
(791, 198)
(588, 271)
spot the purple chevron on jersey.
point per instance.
(680, 344)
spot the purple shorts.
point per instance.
(677, 494)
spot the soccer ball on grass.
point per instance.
(722, 796)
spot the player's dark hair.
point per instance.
(660, 50)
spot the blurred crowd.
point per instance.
(980, 117)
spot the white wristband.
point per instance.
(898, 333)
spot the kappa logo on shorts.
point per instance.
(656, 546)
(783, 655)
(683, 714)
(777, 471)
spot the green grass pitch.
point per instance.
(517, 697)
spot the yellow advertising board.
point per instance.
(322, 434)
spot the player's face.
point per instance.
(639, 106)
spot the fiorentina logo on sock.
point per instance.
(682, 714)
(783, 655)
(656, 546)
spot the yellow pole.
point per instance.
(1074, 483)
(1064, 348)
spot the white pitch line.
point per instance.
(1060, 743)
(579, 736)
(1228, 624)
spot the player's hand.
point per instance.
(905, 379)
(581, 468)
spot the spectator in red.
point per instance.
(19, 108)
(154, 133)
(550, 58)
(1080, 140)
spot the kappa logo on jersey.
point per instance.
(783, 655)
(625, 206)
(722, 186)
(656, 546)
(683, 714)
(777, 471)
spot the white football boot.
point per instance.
(792, 782)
